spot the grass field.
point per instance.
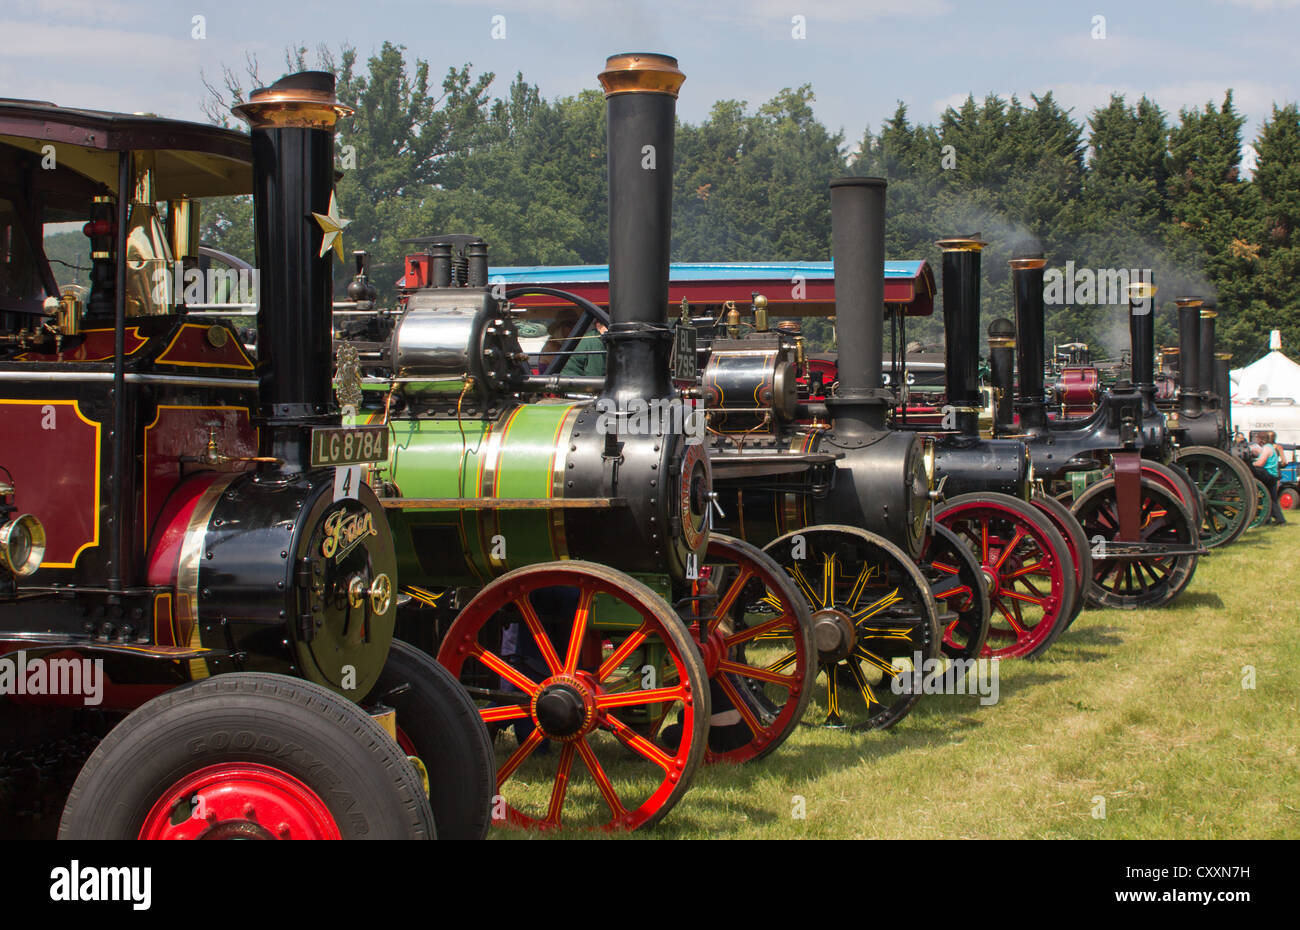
(1134, 725)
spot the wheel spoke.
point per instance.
(833, 717)
(741, 705)
(1017, 596)
(504, 669)
(868, 695)
(502, 714)
(828, 578)
(785, 620)
(621, 654)
(889, 600)
(543, 641)
(1019, 631)
(872, 659)
(860, 585)
(759, 674)
(561, 786)
(1010, 548)
(797, 574)
(518, 756)
(600, 778)
(579, 632)
(637, 698)
(733, 592)
(638, 743)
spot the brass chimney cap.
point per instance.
(1189, 302)
(1223, 356)
(1141, 290)
(641, 73)
(971, 243)
(298, 101)
(1208, 314)
(1028, 263)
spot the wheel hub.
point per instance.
(834, 634)
(564, 708)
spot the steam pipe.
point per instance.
(961, 321)
(858, 242)
(1002, 360)
(641, 101)
(1189, 355)
(292, 123)
(1027, 294)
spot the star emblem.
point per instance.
(333, 228)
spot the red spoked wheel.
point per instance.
(757, 648)
(239, 801)
(1288, 497)
(1142, 582)
(1026, 564)
(584, 664)
(874, 620)
(961, 592)
(1075, 541)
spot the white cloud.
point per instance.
(1265, 6)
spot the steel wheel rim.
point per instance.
(752, 656)
(959, 589)
(239, 800)
(607, 713)
(1262, 506)
(1138, 582)
(887, 603)
(1225, 516)
(1017, 558)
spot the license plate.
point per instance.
(351, 446)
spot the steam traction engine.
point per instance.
(1139, 520)
(1031, 551)
(840, 500)
(172, 512)
(1198, 421)
(489, 484)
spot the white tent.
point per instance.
(1266, 394)
(1273, 376)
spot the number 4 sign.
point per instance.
(347, 479)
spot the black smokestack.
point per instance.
(1027, 294)
(961, 326)
(1205, 363)
(292, 124)
(1002, 361)
(1142, 329)
(1189, 355)
(858, 243)
(641, 101)
(1222, 387)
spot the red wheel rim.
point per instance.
(1025, 575)
(239, 800)
(763, 668)
(606, 697)
(1288, 499)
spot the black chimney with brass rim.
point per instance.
(961, 325)
(1027, 295)
(641, 102)
(297, 227)
(1002, 361)
(1189, 356)
(1205, 363)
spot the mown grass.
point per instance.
(1144, 709)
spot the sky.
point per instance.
(860, 56)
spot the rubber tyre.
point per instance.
(439, 723)
(306, 731)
